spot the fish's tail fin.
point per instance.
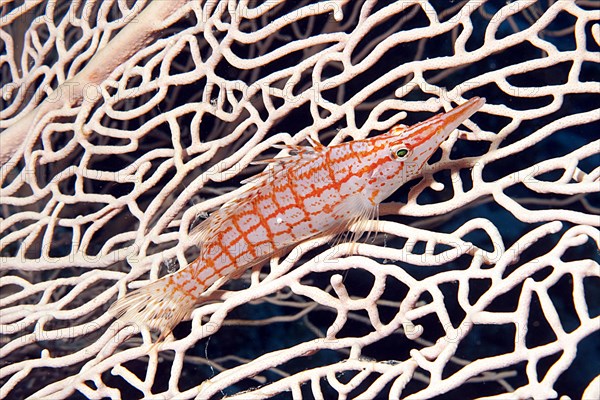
(159, 306)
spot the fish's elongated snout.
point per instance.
(436, 129)
(453, 118)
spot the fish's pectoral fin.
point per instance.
(355, 215)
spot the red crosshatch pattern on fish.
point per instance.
(315, 191)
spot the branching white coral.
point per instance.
(124, 122)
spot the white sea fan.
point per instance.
(125, 122)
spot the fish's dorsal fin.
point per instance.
(315, 143)
(275, 166)
(206, 229)
(296, 154)
(398, 129)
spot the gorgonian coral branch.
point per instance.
(100, 189)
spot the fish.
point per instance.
(316, 190)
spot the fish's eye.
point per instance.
(401, 152)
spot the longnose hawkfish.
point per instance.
(317, 190)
